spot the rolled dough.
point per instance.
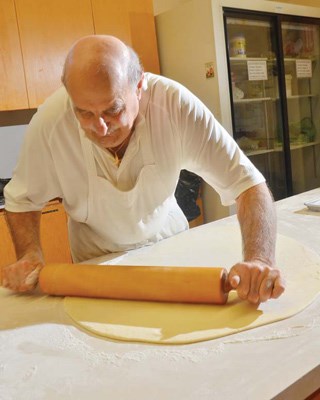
(169, 323)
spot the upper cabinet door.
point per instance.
(47, 30)
(132, 22)
(13, 93)
(112, 18)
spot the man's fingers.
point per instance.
(278, 288)
(238, 281)
(257, 274)
(21, 276)
(235, 281)
(266, 289)
(32, 278)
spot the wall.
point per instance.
(160, 6)
(310, 3)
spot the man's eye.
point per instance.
(85, 114)
(114, 111)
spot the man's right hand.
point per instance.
(23, 275)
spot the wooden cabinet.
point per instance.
(47, 31)
(199, 220)
(35, 36)
(13, 93)
(54, 236)
(7, 253)
(132, 22)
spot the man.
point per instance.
(111, 143)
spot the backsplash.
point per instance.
(11, 138)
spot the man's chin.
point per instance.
(109, 141)
(105, 142)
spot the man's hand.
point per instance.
(256, 282)
(23, 275)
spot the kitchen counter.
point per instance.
(45, 356)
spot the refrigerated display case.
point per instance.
(273, 64)
(301, 50)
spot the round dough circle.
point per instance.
(173, 323)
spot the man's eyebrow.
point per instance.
(79, 109)
(118, 104)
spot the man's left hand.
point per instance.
(256, 282)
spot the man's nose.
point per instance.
(101, 126)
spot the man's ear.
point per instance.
(139, 86)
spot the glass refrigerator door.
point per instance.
(257, 117)
(302, 79)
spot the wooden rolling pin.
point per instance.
(168, 284)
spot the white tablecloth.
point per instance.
(44, 356)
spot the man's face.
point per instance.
(107, 116)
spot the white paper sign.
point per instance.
(257, 70)
(304, 68)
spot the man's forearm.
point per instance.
(25, 232)
(257, 218)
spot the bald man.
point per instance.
(111, 142)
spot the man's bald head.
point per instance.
(104, 59)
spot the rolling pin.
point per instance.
(150, 283)
(168, 284)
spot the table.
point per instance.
(44, 356)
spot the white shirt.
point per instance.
(174, 131)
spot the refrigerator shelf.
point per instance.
(301, 96)
(279, 148)
(252, 100)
